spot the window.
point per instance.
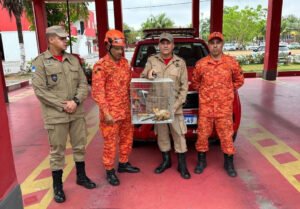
(190, 52)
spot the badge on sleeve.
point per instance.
(54, 77)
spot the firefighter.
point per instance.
(216, 77)
(166, 64)
(111, 81)
(60, 85)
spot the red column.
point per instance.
(118, 15)
(3, 84)
(216, 15)
(195, 16)
(7, 169)
(39, 10)
(102, 24)
(272, 39)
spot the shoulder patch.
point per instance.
(33, 68)
(99, 65)
(96, 68)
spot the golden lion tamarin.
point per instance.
(161, 114)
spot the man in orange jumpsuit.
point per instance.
(111, 81)
(216, 77)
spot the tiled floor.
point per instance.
(267, 160)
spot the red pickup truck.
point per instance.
(191, 49)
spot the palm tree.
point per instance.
(159, 21)
(15, 8)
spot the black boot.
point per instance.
(166, 163)
(127, 167)
(112, 178)
(182, 169)
(201, 164)
(228, 165)
(59, 195)
(82, 179)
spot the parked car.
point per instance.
(229, 47)
(239, 46)
(294, 45)
(251, 47)
(282, 43)
(283, 52)
(191, 49)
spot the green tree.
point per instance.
(15, 8)
(159, 21)
(244, 25)
(57, 13)
(290, 24)
(205, 28)
(130, 34)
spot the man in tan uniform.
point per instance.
(60, 85)
(168, 65)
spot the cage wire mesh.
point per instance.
(152, 100)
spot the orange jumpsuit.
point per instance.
(110, 89)
(216, 82)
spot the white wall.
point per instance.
(80, 46)
(12, 50)
(11, 45)
(83, 49)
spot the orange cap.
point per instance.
(115, 38)
(216, 35)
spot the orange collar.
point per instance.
(111, 64)
(109, 59)
(212, 61)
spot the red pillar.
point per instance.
(272, 39)
(216, 15)
(102, 24)
(195, 16)
(118, 15)
(10, 192)
(3, 84)
(39, 9)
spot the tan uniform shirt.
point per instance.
(176, 70)
(55, 82)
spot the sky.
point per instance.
(135, 12)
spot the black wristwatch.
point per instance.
(76, 100)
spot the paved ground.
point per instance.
(267, 160)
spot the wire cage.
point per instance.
(152, 101)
